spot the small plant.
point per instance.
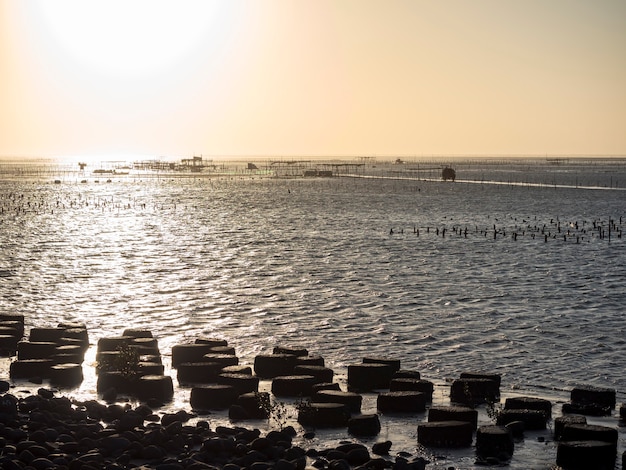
(276, 410)
(303, 405)
(494, 410)
(305, 411)
(126, 362)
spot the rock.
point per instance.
(8, 407)
(199, 372)
(158, 387)
(407, 374)
(494, 441)
(406, 383)
(352, 400)
(562, 421)
(369, 376)
(583, 455)
(589, 432)
(255, 404)
(381, 448)
(293, 385)
(445, 434)
(322, 374)
(323, 415)
(589, 395)
(268, 366)
(242, 383)
(364, 425)
(213, 342)
(182, 353)
(212, 397)
(66, 375)
(532, 419)
(453, 413)
(473, 391)
(394, 364)
(401, 402)
(529, 403)
(497, 378)
(291, 350)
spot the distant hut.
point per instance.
(448, 174)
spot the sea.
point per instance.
(517, 267)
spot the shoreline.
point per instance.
(582, 173)
(398, 429)
(113, 256)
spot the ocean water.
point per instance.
(510, 269)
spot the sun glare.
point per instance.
(128, 39)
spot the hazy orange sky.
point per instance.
(312, 77)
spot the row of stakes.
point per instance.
(131, 364)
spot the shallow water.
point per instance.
(314, 263)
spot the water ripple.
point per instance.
(313, 263)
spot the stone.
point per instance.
(562, 421)
(532, 419)
(242, 383)
(589, 432)
(494, 441)
(364, 425)
(453, 413)
(291, 350)
(200, 372)
(66, 375)
(587, 395)
(194, 352)
(529, 403)
(407, 374)
(394, 364)
(212, 397)
(268, 366)
(474, 391)
(352, 400)
(445, 434)
(497, 378)
(293, 385)
(323, 415)
(406, 383)
(369, 376)
(255, 404)
(401, 402)
(381, 448)
(322, 374)
(583, 455)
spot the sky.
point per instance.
(328, 78)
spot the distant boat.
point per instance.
(448, 174)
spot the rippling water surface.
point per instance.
(346, 267)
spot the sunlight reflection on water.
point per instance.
(313, 263)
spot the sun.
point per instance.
(129, 39)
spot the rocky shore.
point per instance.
(132, 425)
(46, 431)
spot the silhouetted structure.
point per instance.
(448, 174)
